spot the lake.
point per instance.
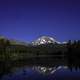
(30, 74)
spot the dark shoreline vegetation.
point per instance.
(15, 55)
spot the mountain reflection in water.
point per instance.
(30, 74)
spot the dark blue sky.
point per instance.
(28, 19)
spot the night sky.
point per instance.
(27, 20)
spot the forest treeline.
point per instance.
(73, 54)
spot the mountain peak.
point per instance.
(44, 40)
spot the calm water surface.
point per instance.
(29, 74)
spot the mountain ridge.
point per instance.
(39, 41)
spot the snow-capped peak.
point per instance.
(44, 40)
